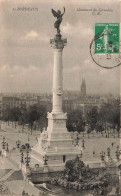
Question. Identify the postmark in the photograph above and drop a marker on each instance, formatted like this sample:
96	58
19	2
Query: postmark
105	46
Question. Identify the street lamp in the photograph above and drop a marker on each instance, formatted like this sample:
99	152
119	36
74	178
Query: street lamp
117	155
118	152
27	158
102	155
45	159
27	147
77	140
22	157
3	143
83	142
108	152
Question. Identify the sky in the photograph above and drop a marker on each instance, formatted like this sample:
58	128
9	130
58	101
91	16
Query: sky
26	57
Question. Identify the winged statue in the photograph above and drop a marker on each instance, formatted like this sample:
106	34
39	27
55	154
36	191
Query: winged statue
58	15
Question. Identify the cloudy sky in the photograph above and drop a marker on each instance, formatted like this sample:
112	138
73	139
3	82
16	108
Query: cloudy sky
26	57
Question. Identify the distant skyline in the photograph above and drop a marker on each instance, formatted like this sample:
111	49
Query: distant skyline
64	92
26	57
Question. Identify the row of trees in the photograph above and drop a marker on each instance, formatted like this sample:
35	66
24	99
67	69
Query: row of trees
96	118
37	115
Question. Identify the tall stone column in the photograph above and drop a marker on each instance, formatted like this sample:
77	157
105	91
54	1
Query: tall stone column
58	44
56	141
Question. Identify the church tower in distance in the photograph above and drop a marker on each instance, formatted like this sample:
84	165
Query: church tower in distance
83	89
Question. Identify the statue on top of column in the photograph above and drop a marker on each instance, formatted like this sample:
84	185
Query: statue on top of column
58	15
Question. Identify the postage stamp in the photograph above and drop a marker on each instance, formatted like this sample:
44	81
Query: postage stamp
105	47
107	38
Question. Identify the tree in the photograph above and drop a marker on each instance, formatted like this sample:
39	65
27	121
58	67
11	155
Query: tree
36	113
75	121
74	168
6	115
32	115
15	114
110	113
42	121
92	118
11	114
99	127
23	119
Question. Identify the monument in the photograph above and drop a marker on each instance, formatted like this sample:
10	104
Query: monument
56	143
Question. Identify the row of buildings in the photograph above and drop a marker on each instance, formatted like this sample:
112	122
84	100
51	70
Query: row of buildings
22	101
71	100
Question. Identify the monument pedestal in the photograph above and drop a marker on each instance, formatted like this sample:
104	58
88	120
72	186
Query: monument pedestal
55	143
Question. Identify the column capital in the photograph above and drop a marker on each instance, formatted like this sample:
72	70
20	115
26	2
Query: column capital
58	42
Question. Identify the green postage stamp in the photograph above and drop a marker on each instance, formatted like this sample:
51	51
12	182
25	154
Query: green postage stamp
107	38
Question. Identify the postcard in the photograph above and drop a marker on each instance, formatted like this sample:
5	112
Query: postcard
60	97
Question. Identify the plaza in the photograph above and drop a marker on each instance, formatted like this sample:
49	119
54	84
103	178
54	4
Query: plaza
10	167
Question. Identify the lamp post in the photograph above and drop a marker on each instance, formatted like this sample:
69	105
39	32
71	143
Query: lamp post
83	143
45	159
22	157
77	140
117	155
27	147
3	143
27	158
108	152
102	156
118	152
